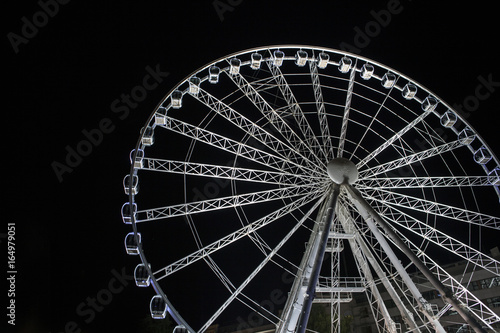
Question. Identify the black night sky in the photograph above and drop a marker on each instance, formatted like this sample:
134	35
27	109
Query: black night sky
70	75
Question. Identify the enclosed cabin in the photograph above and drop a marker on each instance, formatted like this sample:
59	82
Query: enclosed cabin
448	119
466	136
429	104
409	91
161	116
132	243
176	99
194	85
278	57
345	64
213	74
141	276
494	177
301	58
147	136
158	307
180	329
137	158
482	156
256	59
128	212
131	183
234	66
323	59
388	80
367	71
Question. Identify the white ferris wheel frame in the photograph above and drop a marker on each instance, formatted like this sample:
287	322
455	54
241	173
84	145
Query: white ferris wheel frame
293	184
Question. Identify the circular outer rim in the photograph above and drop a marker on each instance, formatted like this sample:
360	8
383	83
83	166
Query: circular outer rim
173	312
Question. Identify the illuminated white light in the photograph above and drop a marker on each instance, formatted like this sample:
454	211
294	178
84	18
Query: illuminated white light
466	136
180	329
128	212
482	155
158	307
194	85
388	80
141	276
367	71
213	74
131	246
234	68
301	58
256	60
323	60
160	116
429	103
494	177
138	158
345	64
278	58
147	136
409	91
448	119
135	184
176	99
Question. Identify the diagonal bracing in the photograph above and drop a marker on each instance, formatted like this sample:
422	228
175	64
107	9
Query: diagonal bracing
245	231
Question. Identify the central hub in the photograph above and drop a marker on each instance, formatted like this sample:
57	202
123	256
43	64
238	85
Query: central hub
342	171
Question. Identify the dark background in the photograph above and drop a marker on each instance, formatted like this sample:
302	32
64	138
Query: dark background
63	80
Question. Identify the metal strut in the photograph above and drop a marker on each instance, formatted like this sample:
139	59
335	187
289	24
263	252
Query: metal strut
325	225
299	303
448	296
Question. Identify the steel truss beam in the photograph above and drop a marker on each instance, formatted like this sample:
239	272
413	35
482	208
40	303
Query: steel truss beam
430	207
245	231
274	118
227	172
347	109
448	296
358	247
252	129
300	299
438	237
320	106
233	146
423	182
394	138
306	130
222	203
407	160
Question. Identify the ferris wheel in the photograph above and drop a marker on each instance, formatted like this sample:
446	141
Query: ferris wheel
278	177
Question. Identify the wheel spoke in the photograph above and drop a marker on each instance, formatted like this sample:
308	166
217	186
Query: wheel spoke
227	172
438	237
245	231
407	160
401	153
347	109
222	203
250	128
373	119
423	182
267	259
483	313
232	146
393	139
320	106
275	119
435	208
309	136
